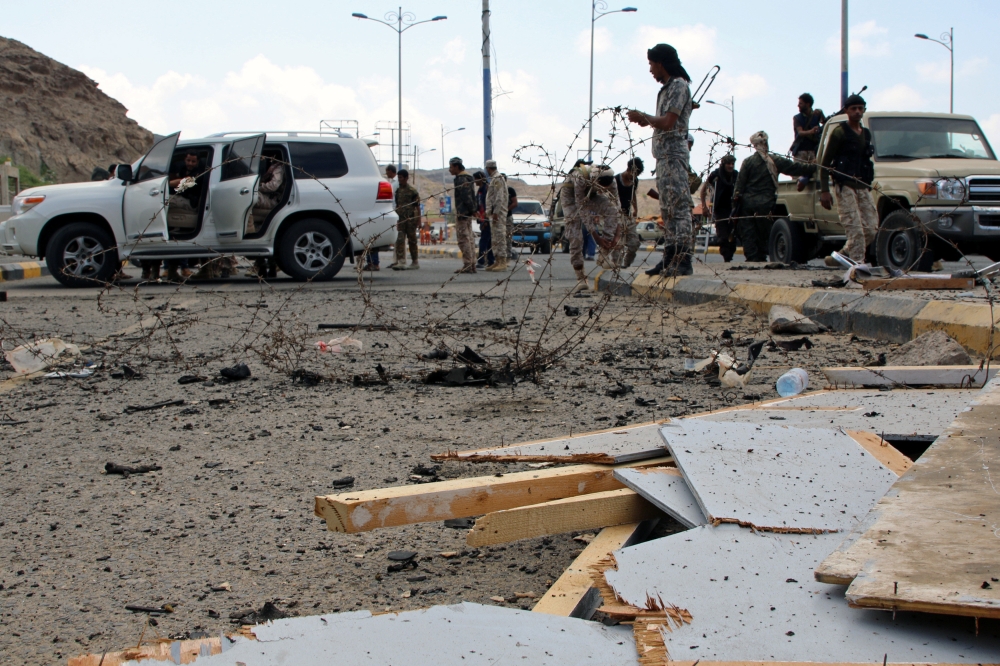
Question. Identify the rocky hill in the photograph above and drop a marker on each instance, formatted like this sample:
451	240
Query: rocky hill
54	120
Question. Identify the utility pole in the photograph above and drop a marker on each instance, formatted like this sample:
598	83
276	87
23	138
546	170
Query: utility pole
843	53
487	87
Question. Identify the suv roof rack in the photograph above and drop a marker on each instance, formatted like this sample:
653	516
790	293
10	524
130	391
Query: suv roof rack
333	133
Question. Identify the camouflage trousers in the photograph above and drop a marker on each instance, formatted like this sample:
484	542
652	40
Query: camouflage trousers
500	237
675	200
860	220
463	230
624	256
573	232
406	231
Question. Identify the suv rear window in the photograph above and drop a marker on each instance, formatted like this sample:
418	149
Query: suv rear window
317	160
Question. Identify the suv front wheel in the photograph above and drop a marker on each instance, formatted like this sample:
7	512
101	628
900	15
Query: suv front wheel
311	249
902	244
787	242
82	254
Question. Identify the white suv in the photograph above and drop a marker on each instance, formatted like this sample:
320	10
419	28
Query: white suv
332	204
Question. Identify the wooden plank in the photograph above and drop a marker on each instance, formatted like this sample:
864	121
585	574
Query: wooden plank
932	546
574	594
529	451
948	376
460	498
888	284
882	451
586	512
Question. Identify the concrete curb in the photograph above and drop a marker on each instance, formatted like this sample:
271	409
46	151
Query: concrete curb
893	318
22	271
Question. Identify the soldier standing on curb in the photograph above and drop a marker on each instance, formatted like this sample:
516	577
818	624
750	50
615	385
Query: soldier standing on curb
408	210
848	157
465	210
573	230
600	212
670	129
496	214
757	192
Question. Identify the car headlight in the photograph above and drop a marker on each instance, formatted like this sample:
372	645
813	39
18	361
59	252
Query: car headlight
950	189
22	204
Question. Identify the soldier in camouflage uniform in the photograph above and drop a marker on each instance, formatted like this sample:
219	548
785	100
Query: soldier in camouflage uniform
572	230
496	215
408	210
599	210
757	192
670	125
465	209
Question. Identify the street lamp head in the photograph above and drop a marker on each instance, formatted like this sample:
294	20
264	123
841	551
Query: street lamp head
630	9
921	36
439	18
358	15
460	129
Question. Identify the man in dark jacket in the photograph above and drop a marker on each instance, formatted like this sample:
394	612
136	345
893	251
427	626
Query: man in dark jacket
485	257
757	192
723	184
465	209
848	158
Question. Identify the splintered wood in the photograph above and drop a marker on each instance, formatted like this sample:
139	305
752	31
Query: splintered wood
574	594
933	543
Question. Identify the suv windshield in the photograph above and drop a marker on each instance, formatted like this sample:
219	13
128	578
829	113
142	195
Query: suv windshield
923	138
527	208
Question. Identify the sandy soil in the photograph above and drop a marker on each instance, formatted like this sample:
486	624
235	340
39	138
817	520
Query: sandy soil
231	508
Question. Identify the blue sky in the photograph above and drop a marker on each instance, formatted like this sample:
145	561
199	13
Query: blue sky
263	65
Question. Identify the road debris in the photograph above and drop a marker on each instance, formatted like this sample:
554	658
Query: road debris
126	470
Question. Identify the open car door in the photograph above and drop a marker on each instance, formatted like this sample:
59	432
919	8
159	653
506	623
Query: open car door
234	195
144	207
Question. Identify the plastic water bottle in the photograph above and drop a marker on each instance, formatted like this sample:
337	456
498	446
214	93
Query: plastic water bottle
792	382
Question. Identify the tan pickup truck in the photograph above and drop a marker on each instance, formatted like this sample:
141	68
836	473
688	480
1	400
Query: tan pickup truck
937	192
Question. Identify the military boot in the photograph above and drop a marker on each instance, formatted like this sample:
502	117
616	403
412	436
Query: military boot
499	266
581	281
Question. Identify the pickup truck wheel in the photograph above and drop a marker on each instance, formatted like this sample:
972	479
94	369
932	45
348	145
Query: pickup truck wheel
311	249
787	242
82	254
565	246
545	247
902	244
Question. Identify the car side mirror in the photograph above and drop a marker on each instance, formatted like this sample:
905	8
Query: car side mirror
124	172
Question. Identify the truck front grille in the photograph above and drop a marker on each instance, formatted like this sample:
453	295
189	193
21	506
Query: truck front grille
989	220
983	189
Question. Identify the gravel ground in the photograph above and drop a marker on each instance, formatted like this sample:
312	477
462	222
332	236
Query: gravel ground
231	508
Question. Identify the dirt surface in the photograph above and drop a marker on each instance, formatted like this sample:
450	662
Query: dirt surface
231	508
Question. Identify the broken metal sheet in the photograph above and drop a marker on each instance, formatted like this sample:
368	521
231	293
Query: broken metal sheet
899	414
464	633
777	478
609	447
666	491
752	598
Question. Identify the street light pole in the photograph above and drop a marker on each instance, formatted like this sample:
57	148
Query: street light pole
443	135
416	156
948	41
404	21
732	111
595	7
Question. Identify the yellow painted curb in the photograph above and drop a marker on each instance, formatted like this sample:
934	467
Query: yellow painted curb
760	297
968	323
655	287
32	269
